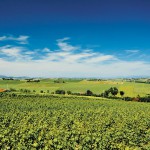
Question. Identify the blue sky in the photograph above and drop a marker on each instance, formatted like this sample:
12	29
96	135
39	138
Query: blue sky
75	38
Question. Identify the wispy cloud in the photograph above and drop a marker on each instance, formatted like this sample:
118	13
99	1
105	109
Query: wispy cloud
2	38
75	54
132	51
47	50
101	58
68	60
10	51
22	39
15	53
63	45
65	53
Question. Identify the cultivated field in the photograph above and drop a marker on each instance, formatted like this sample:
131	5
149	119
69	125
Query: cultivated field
130	88
73	123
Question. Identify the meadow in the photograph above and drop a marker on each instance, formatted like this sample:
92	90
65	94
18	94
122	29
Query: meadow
131	89
73	123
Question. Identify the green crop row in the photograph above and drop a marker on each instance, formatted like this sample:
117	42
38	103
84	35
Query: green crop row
71	123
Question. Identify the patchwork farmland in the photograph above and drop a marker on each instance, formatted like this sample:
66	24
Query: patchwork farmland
32	116
131	89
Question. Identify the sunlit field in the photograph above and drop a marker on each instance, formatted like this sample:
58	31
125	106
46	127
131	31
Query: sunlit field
37	122
130	88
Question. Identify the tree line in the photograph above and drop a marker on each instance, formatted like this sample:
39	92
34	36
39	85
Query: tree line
111	93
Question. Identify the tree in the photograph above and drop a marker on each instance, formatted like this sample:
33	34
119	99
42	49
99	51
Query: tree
113	91
59	92
68	92
62	92
122	93
105	94
41	91
89	93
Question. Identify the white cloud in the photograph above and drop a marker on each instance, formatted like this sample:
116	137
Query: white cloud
63	39
67	61
63	45
10	51
15	53
73	54
22	39
46	50
29	53
72	58
2	38
101	58
64	69
132	51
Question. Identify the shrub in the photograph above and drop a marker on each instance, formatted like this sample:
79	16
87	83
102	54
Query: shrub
68	92
13	90
127	98
122	93
105	94
41	91
59	92
89	93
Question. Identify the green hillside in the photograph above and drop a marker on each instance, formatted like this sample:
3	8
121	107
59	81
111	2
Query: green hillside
130	88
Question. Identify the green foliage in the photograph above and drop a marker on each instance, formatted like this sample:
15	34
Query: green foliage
59	122
3	94
12	90
25	90
122	93
113	91
68	92
106	93
59	81
89	93
59	92
131	89
41	91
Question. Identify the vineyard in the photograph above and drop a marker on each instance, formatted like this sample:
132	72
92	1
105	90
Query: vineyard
73	123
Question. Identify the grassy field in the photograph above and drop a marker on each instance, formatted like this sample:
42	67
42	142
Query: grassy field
73	123
130	88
